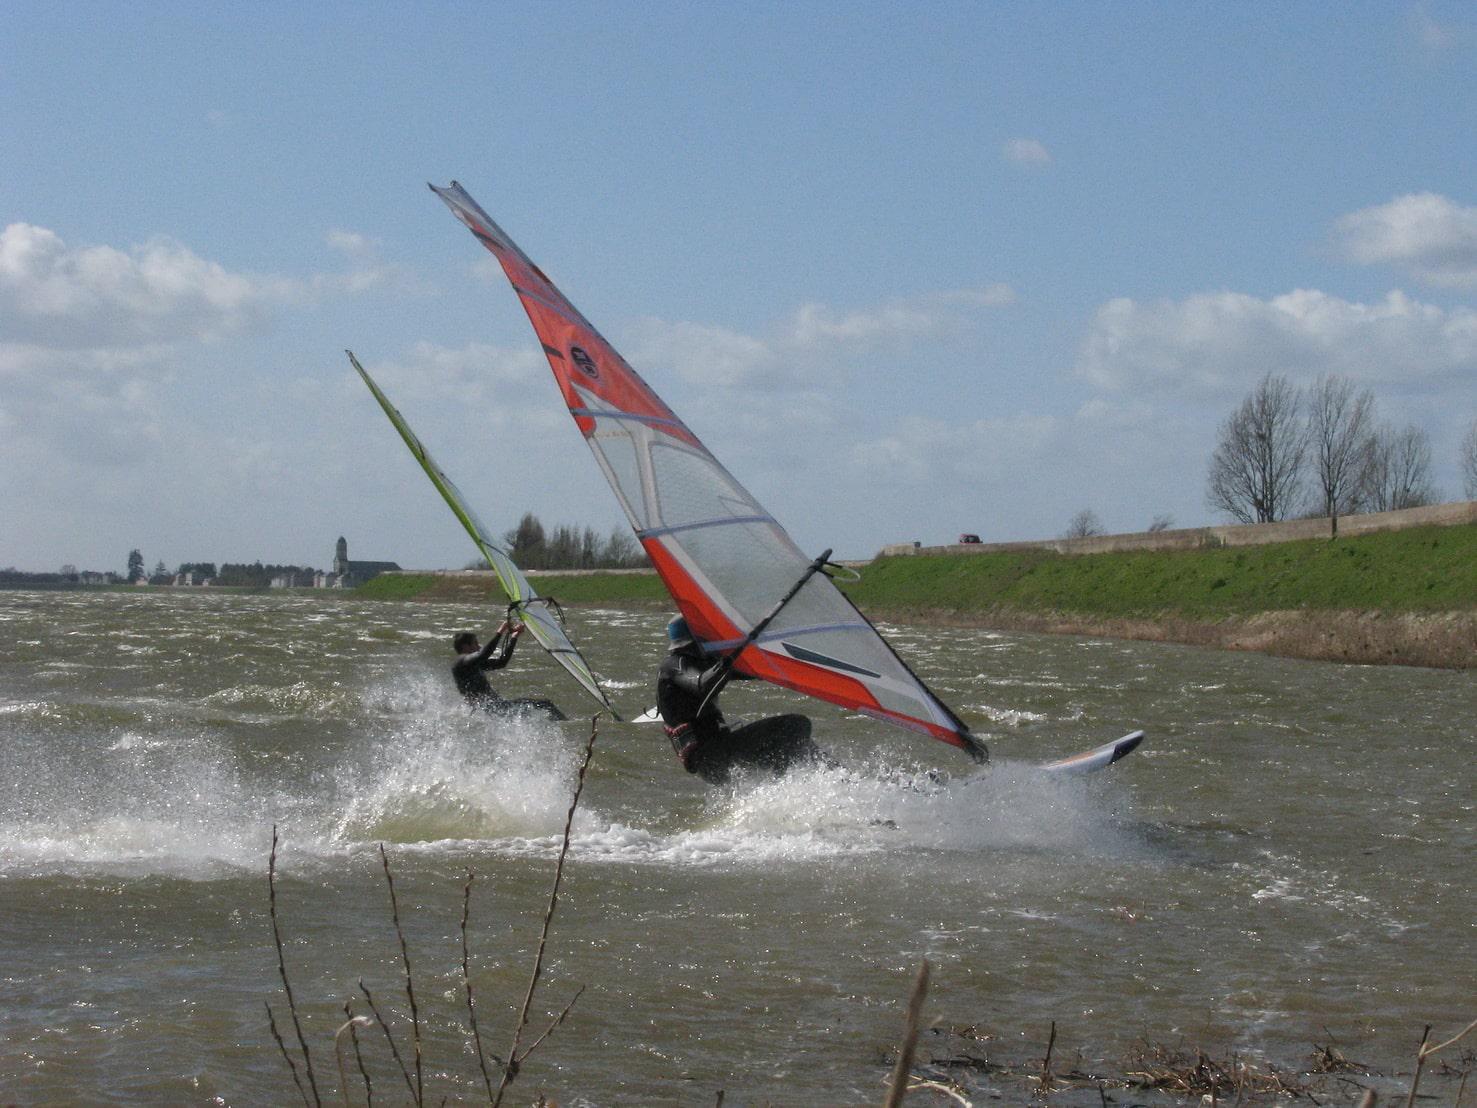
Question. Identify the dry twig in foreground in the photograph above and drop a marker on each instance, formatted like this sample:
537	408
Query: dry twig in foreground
415	1015
1427	1050
286	985
516	1060
898	1082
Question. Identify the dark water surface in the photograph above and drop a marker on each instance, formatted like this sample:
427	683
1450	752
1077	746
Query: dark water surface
1289	859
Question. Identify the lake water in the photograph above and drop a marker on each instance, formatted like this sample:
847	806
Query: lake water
1287	861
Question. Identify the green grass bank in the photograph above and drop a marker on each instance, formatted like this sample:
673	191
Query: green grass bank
1403	597
1429	569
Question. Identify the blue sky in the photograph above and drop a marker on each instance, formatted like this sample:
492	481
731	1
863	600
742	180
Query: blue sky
909	270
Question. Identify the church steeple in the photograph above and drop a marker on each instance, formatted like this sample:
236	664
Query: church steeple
341	555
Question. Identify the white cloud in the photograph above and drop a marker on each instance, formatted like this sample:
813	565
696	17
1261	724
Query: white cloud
1439	37
927	448
94	407
367	269
351	243
1424	234
89	296
1027	151
501	380
710	356
718	357
1220	342
907	318
93	338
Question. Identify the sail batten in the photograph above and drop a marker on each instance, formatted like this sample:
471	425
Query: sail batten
725	560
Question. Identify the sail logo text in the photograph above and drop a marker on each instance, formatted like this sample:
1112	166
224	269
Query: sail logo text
584	361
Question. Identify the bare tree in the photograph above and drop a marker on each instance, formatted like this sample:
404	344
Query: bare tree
1083	525
1162	522
1399	471
1256	470
1341	438
1469	462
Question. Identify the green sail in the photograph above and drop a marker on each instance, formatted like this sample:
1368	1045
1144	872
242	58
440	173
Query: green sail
533	609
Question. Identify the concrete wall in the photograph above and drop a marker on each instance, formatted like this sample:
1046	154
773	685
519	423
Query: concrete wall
1195	538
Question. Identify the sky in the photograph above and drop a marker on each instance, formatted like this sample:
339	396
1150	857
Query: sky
908	270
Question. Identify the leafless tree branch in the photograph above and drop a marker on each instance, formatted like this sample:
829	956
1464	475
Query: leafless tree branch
1256	469
1341	439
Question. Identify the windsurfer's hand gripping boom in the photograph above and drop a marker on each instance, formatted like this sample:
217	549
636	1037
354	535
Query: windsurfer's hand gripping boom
724	670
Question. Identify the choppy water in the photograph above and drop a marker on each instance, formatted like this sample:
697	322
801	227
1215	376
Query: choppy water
1289	860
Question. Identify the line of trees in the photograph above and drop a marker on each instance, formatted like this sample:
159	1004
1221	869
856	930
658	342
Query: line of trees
257	576
1320	452
570	547
252	575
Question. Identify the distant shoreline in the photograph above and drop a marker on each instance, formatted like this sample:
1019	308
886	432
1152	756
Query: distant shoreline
1394	598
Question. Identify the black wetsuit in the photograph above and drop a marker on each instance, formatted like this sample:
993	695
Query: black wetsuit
705	744
470	672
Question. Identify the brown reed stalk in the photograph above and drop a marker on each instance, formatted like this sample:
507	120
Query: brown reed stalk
338	1052
899	1079
1047	1081
385	1027
282	970
1420	1063
286	1057
415	1016
1427	1050
359	1055
510	1068
557	1021
467	980
1368	1099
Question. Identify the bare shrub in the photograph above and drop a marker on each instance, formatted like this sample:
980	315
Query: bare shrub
1083	525
1341	441
1256	469
1399	471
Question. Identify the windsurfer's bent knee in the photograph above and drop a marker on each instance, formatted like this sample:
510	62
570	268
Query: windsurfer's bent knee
687	688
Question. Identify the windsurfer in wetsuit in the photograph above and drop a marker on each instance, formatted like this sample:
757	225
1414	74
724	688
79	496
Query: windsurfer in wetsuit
471	666
689	681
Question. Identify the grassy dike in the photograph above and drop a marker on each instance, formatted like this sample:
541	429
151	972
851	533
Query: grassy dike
1401	597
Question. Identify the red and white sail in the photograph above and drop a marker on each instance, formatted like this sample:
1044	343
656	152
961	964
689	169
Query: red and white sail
724	559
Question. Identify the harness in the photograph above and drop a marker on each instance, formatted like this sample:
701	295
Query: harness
684	744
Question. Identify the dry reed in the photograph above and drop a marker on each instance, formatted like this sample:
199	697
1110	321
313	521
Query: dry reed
286	984
415	1085
338	1051
1426	1050
415	1015
898	1082
359	1054
515	1060
467	981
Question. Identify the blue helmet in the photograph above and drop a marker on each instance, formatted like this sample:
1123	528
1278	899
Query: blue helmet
678	633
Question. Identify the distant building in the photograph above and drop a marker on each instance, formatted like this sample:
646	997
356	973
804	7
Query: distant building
347	574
